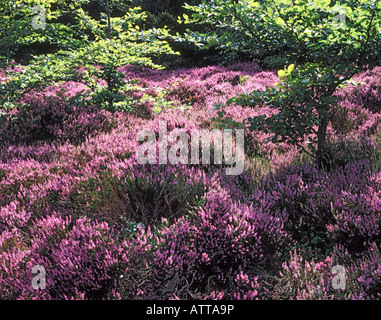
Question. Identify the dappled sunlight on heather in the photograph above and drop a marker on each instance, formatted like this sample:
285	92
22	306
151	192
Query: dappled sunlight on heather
74	199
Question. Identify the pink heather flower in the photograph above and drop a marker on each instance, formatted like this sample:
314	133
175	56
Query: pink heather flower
205	257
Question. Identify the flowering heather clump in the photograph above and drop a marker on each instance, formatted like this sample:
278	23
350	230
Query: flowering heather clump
304	280
74	199
357	215
79	258
200	87
352	147
52	118
367	93
203	252
359	104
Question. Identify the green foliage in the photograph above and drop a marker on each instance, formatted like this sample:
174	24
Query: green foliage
282	32
25	23
15	23
96	51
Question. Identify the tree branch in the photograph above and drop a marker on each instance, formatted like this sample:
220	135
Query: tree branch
252	32
305	150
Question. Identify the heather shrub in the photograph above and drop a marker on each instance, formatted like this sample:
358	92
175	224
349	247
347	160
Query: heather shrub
143	194
254	147
189	92
245	67
359	103
138	101
357	216
206	72
322	208
365	92
13	254
97	197
344	150
231	77
79	257
302	279
363	272
344	119
156	192
245	287
205	251
301	192
367	271
349	118
22	179
52	118
196	87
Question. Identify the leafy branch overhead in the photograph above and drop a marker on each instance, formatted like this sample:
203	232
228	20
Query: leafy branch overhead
100	47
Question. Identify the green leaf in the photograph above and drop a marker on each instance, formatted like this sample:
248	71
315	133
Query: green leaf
280	21
281	73
290	68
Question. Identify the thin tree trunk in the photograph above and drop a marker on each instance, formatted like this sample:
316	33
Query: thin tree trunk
108	19
109	80
110	88
322	152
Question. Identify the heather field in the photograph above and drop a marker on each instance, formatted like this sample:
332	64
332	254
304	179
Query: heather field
105	227
199	150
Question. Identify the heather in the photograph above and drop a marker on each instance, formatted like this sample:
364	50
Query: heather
74	199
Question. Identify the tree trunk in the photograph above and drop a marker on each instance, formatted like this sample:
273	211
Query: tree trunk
110	89
322	151
108	20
